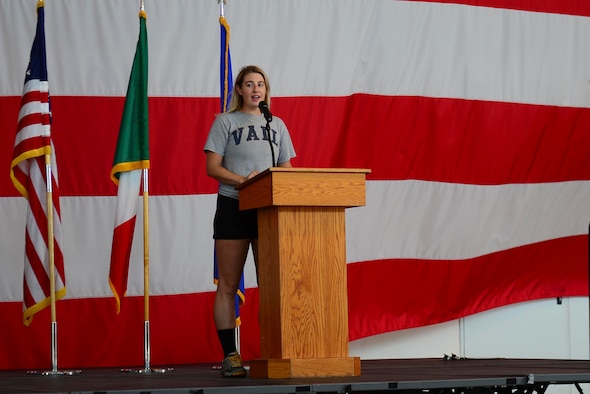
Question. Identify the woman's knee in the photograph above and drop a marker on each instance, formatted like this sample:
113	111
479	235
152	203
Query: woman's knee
227	289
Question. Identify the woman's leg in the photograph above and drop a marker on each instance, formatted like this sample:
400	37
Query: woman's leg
231	256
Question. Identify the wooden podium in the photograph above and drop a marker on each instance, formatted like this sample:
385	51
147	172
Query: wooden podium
302	269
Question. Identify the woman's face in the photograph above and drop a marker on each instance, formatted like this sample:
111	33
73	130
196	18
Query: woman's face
253	90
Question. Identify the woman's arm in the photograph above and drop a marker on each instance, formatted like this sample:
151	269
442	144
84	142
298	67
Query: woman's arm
217	171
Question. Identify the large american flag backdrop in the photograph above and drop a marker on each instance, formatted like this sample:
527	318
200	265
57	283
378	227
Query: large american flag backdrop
472	116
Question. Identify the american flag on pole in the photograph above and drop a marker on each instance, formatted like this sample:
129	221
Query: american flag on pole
29	174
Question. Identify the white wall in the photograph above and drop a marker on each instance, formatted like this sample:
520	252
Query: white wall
541	329
536	329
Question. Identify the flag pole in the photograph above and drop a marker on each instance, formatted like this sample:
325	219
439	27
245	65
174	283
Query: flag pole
51	252
50	221
146	270
222	15
146	260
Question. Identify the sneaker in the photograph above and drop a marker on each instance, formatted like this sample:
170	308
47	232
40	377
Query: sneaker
232	366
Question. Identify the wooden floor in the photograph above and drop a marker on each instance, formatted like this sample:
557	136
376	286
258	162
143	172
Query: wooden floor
400	375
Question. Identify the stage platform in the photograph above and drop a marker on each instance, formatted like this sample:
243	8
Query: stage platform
442	376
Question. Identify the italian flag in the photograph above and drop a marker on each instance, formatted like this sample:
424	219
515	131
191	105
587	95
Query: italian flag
131	157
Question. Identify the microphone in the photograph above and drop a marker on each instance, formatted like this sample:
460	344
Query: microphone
265	111
268	116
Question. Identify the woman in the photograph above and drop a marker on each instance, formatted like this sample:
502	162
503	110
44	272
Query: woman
237	149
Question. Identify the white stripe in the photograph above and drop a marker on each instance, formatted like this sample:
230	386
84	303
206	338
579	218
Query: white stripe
32	85
38	183
57	226
32	107
37	239
401	219
327	48
36	85
13	210
32	284
432	220
31	131
127	196
53	158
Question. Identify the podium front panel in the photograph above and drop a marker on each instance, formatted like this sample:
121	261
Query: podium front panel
302	277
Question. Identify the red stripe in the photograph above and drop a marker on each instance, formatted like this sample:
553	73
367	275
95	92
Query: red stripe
395	294
576	7
39	236
28	299
37	263
92	335
379	296
38	267
33	119
36	202
120	253
448	140
35	95
57	252
29	144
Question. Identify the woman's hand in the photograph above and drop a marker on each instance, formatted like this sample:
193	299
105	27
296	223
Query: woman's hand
217	171
251	175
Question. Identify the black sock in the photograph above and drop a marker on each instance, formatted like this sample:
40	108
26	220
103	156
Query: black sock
227	338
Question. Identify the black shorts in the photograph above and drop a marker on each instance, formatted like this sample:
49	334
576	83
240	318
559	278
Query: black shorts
231	223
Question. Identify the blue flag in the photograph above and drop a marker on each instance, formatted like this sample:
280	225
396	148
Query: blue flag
225	75
225	88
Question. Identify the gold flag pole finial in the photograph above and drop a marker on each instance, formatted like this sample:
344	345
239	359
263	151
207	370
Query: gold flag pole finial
142	13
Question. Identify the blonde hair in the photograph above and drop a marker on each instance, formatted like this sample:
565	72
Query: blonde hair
237	101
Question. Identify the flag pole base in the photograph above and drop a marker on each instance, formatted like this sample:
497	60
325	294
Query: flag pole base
54	370
51	373
147	370
146	353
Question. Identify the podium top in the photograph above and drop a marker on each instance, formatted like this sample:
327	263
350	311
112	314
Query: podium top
300	186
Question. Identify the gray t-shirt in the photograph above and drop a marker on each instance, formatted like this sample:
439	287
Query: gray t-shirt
241	139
